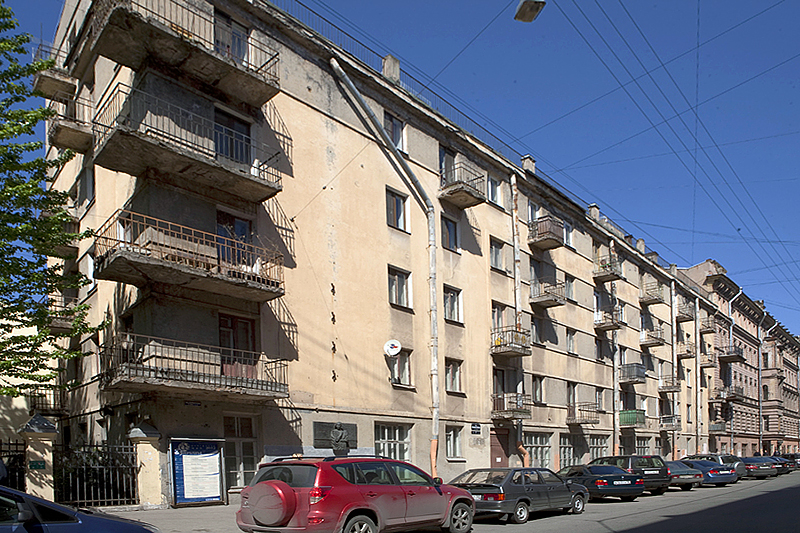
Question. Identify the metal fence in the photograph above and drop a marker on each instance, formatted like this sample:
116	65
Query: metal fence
97	476
462	173
13	455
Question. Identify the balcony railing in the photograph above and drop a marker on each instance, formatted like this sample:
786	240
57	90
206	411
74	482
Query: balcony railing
731	354
55	80
652	337
717	427
729	394
58	305
607	268
158	248
47	401
685	312
141	363
708	325
135	130
685	350
71	125
652	293
669	384
511	406
202	43
583	413
670	422
608	318
462	186
511	341
632	373
548	293
546	233
632	418
708	360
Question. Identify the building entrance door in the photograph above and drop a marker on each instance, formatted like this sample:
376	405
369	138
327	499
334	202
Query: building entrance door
499	447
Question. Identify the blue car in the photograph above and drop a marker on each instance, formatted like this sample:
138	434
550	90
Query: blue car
21	512
713	473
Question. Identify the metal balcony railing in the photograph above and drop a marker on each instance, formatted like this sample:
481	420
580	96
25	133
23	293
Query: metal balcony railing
583	413
685	311
669	384
708	325
670	422
213	32
632	418
632	373
548	292
47	401
181	245
708	360
652	337
730	393
184	131
652	293
546	232
128	358
607	268
685	350
71	123
718	427
511	341
463	174
511	405
46	52
607	318
731	354
58	306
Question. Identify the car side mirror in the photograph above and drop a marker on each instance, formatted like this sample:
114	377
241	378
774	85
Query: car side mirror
569	481
437	481
24	513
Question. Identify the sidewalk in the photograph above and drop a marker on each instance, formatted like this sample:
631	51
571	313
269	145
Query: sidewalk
216	518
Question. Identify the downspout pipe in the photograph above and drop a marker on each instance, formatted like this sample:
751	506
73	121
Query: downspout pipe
673	326
697	377
517	274
430	212
730	346
760	381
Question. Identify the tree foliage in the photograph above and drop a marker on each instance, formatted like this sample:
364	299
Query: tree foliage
33	222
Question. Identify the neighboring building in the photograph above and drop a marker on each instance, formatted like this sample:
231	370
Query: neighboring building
259	242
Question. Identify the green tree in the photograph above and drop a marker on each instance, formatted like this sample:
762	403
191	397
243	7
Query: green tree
33	219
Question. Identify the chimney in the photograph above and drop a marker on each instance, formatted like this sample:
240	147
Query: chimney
594	211
391	68
529	163
640	245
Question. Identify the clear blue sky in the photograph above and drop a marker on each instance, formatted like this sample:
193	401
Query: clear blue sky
718	184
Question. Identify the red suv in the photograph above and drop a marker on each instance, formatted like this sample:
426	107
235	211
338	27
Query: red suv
350	495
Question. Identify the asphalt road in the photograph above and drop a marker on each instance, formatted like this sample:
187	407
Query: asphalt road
749	506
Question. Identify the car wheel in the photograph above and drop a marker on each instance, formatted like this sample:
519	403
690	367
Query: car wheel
659	491
688	486
578	504
460	519
720	484
360	524
628	498
521	513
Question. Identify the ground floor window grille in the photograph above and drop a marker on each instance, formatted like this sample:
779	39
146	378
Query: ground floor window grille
393	441
598	446
538	445
642	445
566	451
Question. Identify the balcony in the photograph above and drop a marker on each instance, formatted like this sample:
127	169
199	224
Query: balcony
731	354
716	428
708	360
511	342
545	233
708	325
462	186
548	293
138	363
69	247
669	384
685	312
607	268
136	249
685	350
511	406
728	394
652	337
583	413
58	306
70	127
136	131
669	423
55	80
632	418
632	373
200	43
47	401
652	293
773	373
608	318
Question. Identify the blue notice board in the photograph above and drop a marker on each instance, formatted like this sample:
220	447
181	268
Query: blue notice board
196	471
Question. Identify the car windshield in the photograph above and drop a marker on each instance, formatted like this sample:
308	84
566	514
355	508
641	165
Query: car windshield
293	475
706	464
677	465
491	477
729	459
647	462
606	470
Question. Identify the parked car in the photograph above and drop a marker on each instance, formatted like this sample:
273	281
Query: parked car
760	467
650	467
683	476
713	473
23	512
605	480
350	495
792	462
518	491
723	459
781	464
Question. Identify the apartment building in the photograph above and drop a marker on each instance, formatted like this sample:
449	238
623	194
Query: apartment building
299	250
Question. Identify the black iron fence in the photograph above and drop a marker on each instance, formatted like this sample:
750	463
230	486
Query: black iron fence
13	455
96	476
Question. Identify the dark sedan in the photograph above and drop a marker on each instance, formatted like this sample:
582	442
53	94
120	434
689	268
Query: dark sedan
713	473
605	480
683	476
760	467
781	465
518	491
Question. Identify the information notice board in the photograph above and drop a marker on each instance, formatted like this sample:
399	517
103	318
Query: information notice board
196	470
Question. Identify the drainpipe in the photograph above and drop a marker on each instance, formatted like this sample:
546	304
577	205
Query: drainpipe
517	275
760	382
730	345
697	370
430	212
673	325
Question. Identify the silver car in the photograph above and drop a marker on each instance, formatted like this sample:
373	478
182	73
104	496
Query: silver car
724	459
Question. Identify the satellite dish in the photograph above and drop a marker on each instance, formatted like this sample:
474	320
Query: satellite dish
392	348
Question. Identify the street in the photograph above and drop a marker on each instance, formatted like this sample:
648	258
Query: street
764	506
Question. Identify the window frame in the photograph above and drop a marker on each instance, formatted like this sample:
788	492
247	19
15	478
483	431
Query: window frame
452	304
571	333
568	229
395	131
450	236
397	218
452	438
397	442
496	254
494	190
399	293
400	369
452	375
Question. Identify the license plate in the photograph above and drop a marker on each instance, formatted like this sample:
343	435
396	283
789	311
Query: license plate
687	476
651	472
622	483
725	472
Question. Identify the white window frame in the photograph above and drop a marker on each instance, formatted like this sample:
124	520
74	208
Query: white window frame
452	375
494	190
566	450
453	243
452	304
400	367
395	129
571	340
538	446
537	389
399	287
496	254
533	211
569	287
568	234
452	440
393	441
396	218
599	392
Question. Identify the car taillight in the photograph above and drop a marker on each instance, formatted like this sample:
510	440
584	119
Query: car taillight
715	472
639	481
669	471
698	475
750	467
494	497
316	494
630	471
600	482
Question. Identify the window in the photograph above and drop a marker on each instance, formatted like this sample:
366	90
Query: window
538	445
494	190
569	287
452	375
237	341
538	389
398	288
570	341
452	304
241	462
396	210
496	254
571	393
688	413
598	446
447	163
86	186
533	211
536	331
598	398
230	38
235	233
623	352
452	439
394	129
401	368
566	451
598	349
497	315
449	234
393	441
231	138
567	234
642	445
